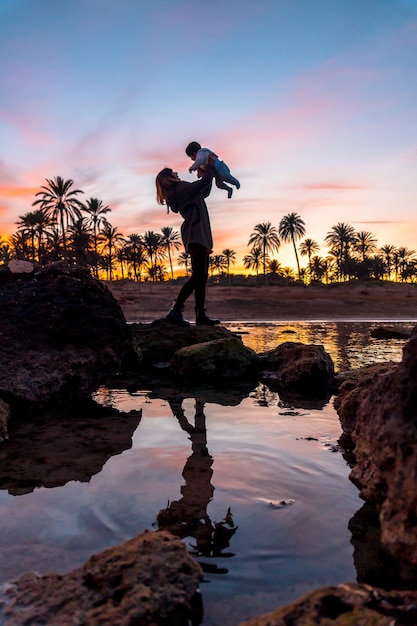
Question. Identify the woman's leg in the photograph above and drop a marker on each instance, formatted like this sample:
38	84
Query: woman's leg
201	263
197	281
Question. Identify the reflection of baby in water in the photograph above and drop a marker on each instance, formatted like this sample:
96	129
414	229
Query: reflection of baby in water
188	516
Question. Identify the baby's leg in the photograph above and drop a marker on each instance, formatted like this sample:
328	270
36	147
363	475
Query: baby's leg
223	170
222	185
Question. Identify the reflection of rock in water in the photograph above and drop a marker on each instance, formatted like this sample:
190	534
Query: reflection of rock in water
372	563
57	448
274	393
188	516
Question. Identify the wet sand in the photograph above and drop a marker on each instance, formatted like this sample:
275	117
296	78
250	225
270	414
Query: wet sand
144	302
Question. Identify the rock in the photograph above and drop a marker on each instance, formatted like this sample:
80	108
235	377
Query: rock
160	339
150	580
21	267
4	420
350	391
62	332
378	411
388	332
307	368
343	605
218	359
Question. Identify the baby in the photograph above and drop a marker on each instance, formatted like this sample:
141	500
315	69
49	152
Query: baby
201	156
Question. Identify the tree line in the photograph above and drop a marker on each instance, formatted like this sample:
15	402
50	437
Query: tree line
64	228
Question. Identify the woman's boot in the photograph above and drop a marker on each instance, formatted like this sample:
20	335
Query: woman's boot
175	315
201	319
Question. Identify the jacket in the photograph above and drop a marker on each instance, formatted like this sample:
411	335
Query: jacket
187	199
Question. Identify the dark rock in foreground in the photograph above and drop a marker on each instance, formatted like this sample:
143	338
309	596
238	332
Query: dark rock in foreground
378	413
345	605
62	333
150	580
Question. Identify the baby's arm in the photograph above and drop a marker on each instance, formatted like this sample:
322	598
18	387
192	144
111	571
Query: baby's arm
200	160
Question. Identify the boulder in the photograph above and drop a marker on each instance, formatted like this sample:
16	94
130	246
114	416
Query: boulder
378	412
62	333
358	605
21	267
4	420
148	580
389	332
218	359
297	366
160	339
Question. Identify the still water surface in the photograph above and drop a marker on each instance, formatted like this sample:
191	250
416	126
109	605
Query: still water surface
257	489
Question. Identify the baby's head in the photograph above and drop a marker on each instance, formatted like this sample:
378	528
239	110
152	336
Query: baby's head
192	149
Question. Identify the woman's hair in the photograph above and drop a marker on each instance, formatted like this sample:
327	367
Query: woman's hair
165	181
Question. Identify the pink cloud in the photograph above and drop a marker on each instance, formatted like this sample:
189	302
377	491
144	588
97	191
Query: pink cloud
8	191
324	186
377	222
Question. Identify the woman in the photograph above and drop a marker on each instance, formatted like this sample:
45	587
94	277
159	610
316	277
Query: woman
187	199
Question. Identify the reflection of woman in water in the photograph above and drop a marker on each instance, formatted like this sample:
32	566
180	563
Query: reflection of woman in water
188	516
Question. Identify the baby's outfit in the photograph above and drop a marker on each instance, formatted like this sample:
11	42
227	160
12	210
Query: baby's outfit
221	170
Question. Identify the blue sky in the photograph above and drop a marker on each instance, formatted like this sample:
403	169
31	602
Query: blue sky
312	103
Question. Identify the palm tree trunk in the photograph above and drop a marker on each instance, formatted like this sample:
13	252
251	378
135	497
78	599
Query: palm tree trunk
170	262
296	257
64	241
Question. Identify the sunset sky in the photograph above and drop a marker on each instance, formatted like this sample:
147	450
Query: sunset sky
312	104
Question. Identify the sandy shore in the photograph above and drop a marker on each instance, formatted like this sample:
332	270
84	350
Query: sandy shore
144	302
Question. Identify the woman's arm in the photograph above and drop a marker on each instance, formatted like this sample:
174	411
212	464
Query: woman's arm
201	186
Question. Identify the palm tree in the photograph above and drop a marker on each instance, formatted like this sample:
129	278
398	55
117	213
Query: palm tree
218	262
253	259
43	222
96	219
265	236
155	249
33	224
184	259
121	257
388	251
59	202
53	244
405	258
79	242
230	256
288	273
171	240
340	239
111	238
28	224
307	248
274	267
291	228
318	268
5	252
365	243
19	242
135	253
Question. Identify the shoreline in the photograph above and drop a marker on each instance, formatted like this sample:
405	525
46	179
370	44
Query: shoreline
351	302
